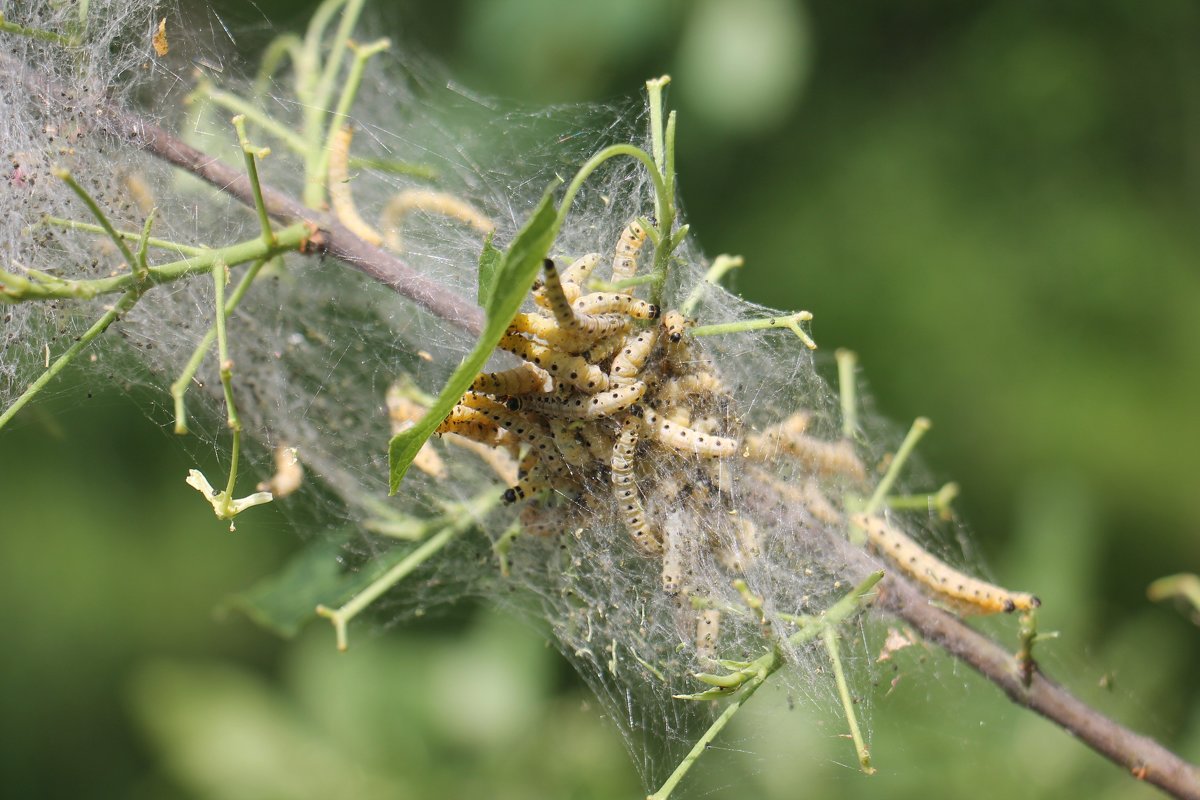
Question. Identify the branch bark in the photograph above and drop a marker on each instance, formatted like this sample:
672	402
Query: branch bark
1144	758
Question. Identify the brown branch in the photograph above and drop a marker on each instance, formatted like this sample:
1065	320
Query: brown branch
1144	758
335	239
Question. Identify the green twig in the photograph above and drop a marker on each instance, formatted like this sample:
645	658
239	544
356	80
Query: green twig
919	427
67	178
127	301
747	677
16	289
362	54
251	154
456	523
847	391
143	266
720	265
181	384
161	244
791	322
34	33
830	638
593	163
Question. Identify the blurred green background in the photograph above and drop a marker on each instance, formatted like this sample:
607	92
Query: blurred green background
995	204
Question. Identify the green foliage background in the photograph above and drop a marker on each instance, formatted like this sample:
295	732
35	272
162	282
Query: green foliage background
995	204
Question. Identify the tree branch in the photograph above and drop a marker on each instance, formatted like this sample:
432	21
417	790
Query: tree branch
1144	758
334	238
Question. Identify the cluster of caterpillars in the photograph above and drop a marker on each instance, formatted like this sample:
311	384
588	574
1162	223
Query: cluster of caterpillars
615	409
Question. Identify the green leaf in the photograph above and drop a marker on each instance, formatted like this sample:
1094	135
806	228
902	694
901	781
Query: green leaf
509	286
286	601
489	266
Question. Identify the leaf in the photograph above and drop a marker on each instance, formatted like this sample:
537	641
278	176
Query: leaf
489	265
286	601
510	284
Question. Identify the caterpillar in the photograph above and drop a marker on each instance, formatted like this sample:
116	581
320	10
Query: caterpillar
708	627
569	447
586	406
628	363
526	486
601	303
687	440
573	369
674	324
971	595
525	379
577	339
625	491
573	279
625	262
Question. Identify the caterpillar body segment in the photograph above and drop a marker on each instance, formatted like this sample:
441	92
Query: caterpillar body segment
556	299
604	349
682	388
608	303
674	325
526	486
525	379
586	406
708	629
627	364
581	337
473	424
629	246
526	464
971	595
563	366
581	269
573	451
687	440
625	492
597	439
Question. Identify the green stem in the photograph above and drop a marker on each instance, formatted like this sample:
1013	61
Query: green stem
162	244
362	54
593	163
458	522
127	301
721	265
745	693
830	638
251	154
919	427
791	322
847	390
289	238
253	114
295	142
33	33
143	266
753	674
288	45
316	132
180	386
67	178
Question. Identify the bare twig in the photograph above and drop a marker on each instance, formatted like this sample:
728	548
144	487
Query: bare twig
1144	758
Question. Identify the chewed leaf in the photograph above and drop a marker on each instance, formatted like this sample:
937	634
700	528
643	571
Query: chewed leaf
510	282
489	266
